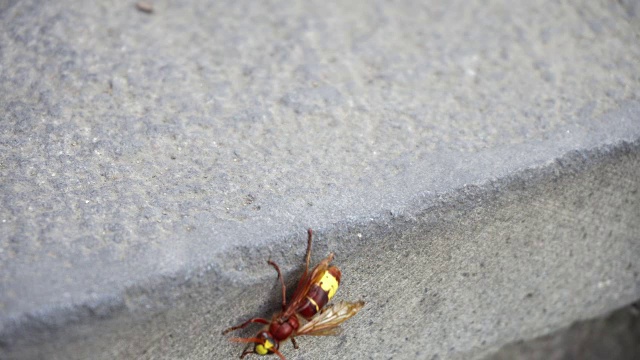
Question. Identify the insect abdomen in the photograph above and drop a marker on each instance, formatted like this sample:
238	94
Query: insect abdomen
320	293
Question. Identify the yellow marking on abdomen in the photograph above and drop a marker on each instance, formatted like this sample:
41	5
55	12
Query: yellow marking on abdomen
314	303
329	284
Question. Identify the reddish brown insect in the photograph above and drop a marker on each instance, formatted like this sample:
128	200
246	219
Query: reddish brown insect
304	314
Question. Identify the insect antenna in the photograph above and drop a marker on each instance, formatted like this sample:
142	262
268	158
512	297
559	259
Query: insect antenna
255	340
246	340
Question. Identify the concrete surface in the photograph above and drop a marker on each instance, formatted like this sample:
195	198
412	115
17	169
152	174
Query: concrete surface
474	165
615	336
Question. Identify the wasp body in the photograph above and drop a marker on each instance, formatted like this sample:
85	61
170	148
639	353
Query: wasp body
305	313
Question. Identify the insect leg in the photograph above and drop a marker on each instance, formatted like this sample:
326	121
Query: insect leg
308	255
245	324
275	351
294	342
303	278
246	352
284	288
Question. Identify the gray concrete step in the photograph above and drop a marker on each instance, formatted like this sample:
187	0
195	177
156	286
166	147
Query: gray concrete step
473	165
615	336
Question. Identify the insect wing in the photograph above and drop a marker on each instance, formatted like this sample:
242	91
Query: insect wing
335	331
327	321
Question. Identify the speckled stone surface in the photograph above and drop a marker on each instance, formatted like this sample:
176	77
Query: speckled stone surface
474	165
615	336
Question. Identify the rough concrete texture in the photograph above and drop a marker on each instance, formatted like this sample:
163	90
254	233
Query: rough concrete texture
615	336
473	164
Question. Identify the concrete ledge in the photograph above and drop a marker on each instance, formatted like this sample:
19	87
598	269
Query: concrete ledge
474	167
613	336
486	265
